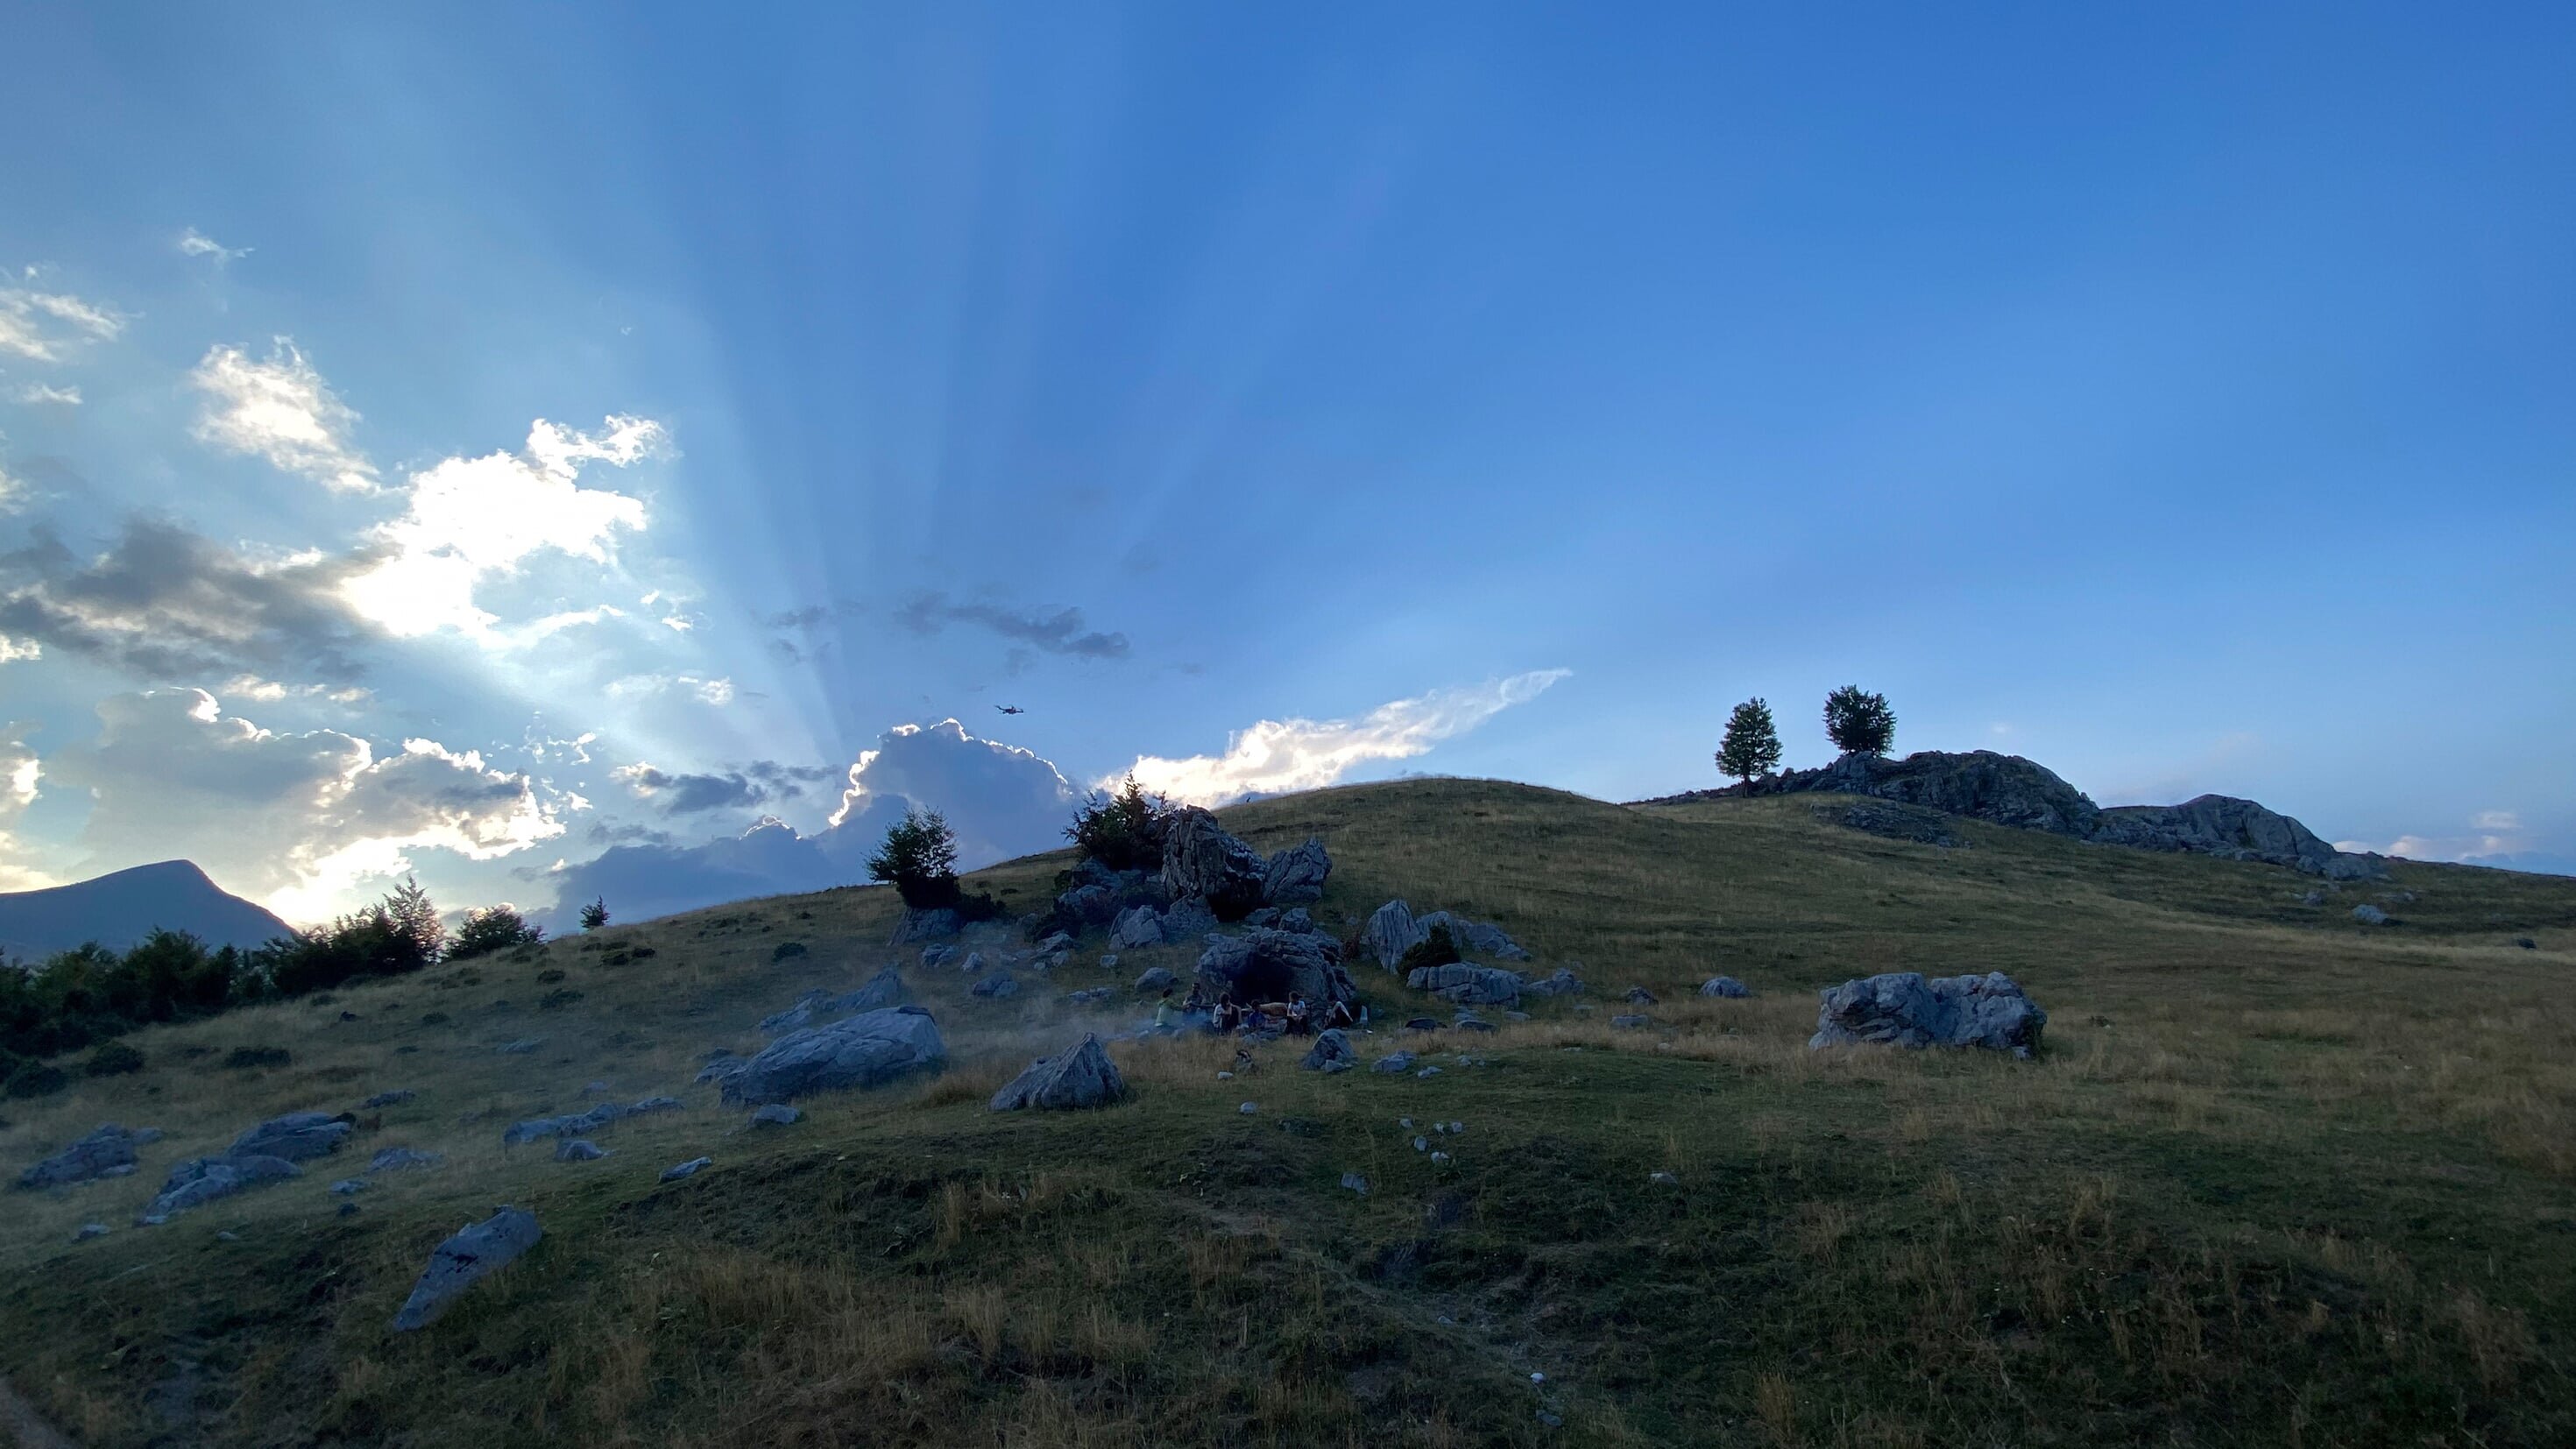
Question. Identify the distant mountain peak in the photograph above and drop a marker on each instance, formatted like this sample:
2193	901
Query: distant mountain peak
122	907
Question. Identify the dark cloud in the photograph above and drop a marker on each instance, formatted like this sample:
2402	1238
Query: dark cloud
757	783
1061	632
166	603
604	833
640	882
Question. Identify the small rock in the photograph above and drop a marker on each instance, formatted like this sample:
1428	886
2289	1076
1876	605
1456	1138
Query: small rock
1331	1053
994	988
297	1136
1094	996
349	1186
465	1259
651	1105
1666	1178
1639	996
1428	1072
88	1231
579	1149
2526	943
1404	1122
1351	1180
1631	1022
686	1169
2370	915
348	1210
1553	1421
403	1159
1421	1144
1081	1078
1422	1023
1438	1158
387	1099
1725	986
1468	1021
1156	981
1455	1128
1225	1076
1248	1108
1393	1062
776	1114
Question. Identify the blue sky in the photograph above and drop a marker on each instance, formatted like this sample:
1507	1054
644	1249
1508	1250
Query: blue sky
466	442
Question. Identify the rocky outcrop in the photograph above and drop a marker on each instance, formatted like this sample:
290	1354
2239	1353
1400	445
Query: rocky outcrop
1725	986
918	924
1560	982
1903	1008
473	1254
297	1136
1201	859
866	1050
1393	929
1136	928
201	1180
1330	1053
1186	920
1467	984
1267	965
2219	825
1296	875
1083	1077
106	1152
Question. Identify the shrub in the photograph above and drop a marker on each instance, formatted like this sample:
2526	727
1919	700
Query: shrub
115	1059
919	858
1859	723
37	1079
1436	949
785	949
243	1059
398	934
1123	831
595	915
497	928
557	999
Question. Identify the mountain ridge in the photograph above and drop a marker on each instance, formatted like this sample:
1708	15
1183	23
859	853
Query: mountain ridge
122	907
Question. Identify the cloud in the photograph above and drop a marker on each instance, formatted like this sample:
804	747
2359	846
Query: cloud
38	326
14	650
19	773
194	243
2497	820
1002	801
471	520
642	881
1276	756
11	491
46	395
1059	633
2500	841
302	819
166	603
754	784
283	411
718	691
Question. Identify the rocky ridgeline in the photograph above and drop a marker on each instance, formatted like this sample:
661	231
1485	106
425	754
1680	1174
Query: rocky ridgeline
2010	790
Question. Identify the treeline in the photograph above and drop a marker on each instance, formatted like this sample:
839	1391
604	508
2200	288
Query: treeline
87	997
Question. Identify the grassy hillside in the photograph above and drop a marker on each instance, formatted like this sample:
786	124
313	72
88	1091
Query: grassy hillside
2277	1179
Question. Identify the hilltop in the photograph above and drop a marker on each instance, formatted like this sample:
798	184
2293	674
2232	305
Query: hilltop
2276	1177
120	908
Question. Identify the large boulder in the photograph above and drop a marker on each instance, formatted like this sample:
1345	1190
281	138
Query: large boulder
107	1152
1187	919
1264	965
464	1260
1390	933
1082	1077
201	1180
1085	907
919	924
1482	937
876	993
1135	928
1331	1052
866	1050
1560	982
1467	983
1156	980
297	1136
1295	876
1725	986
1200	858
1906	1009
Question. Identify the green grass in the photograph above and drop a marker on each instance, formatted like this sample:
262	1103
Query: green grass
2277	1179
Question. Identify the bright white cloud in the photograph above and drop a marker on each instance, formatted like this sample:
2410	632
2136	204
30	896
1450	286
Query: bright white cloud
13	491
1001	800
718	691
13	650
2498	820
46	395
194	243
19	772
474	519
283	411
39	326
1276	756
304	820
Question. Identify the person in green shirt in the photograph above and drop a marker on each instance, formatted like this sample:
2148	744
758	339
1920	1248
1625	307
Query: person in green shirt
1167	1013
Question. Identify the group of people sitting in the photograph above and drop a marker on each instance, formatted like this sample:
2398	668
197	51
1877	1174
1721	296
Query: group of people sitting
1227	1016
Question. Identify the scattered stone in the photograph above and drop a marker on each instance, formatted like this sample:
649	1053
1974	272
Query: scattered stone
1639	996
1351	1180
1421	1144
924	925
1156	981
1516	1016
1422	1023
1428	1072
1905	1009
2313	898
1552	1421
686	1169
994	988
382	1100
1109	961
579	1149
1248	1108
1393	1062
934	957
465	1259
403	1159
777	1114
1094	996
722	1070
349	1186
1482	937
521	1047
1631	1021
1295	877
1202	860
1390	933
1081	1078
1331	1053
1225	1076
1136	928
866	1050
651	1105
1725	986
1465	982
1897	822
1666	1178
348	1209
1266	916
2370	915
1560	982
1469	1021
974	964
109	1150
87	1231
201	1180
879	991
2526	943
1440	1159
297	1136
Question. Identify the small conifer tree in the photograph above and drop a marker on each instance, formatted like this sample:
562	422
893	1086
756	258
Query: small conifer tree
1751	746
595	915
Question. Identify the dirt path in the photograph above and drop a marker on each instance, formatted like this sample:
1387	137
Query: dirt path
25	1427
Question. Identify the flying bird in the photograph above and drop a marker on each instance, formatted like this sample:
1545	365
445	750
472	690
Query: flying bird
1010	709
